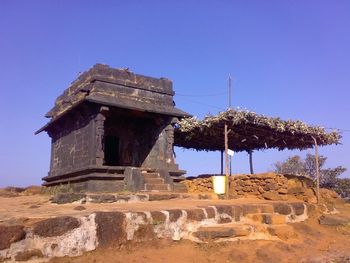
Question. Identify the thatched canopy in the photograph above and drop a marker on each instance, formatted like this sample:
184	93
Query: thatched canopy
249	131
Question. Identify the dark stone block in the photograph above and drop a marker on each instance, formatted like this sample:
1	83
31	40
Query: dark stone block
144	232
158	217
210	212
298	208
282	208
67	198
55	226
79	208
224	220
102	198
160	197
195	214
10	234
174	214
225	209
96	186
122	198
27	255
111	228
237	212
214	233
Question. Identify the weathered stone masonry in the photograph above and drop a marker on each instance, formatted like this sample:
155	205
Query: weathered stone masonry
269	186
71	236
111	127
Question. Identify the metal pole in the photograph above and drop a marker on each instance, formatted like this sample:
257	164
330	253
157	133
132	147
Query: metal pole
251	161
229	91
317	171
226	161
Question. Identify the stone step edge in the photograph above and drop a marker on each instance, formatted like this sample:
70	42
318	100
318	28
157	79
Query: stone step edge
54	236
159	187
143	196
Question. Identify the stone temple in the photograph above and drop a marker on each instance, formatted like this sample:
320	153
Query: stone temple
113	130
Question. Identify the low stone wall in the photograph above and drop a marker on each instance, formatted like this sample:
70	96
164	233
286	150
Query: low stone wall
74	235
269	186
202	184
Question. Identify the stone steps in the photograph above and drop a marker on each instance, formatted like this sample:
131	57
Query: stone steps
156	187
153	182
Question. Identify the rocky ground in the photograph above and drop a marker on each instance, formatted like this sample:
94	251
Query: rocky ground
314	243
321	238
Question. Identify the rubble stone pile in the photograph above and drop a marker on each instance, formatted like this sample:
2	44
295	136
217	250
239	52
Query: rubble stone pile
269	186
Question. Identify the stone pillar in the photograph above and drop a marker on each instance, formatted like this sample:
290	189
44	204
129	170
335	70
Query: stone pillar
169	156
99	134
169	131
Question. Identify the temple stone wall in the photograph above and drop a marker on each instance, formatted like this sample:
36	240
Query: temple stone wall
71	146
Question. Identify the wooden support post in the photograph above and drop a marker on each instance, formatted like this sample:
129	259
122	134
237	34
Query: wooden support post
226	161
222	162
317	171
251	161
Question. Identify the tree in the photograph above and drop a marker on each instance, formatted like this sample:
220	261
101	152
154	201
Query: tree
307	167
293	165
343	187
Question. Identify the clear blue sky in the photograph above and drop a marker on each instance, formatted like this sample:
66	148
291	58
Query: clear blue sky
288	58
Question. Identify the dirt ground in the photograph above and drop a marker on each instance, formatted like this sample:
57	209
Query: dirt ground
33	207
315	242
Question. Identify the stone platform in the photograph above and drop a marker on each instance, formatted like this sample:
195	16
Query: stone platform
87	228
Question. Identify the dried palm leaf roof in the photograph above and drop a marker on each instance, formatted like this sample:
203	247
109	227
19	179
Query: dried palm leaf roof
249	131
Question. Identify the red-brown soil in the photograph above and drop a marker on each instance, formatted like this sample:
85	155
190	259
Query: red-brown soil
314	242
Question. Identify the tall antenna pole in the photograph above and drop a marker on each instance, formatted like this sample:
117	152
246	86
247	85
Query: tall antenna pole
227	186
227	160
229	91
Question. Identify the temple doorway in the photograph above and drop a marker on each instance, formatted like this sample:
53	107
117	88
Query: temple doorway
111	150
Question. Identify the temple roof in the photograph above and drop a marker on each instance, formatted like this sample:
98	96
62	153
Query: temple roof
119	88
249	131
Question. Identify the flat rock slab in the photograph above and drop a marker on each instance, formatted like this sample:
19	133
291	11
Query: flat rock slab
10	234
334	220
110	228
28	254
55	226
67	198
160	197
282	208
105	198
207	233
